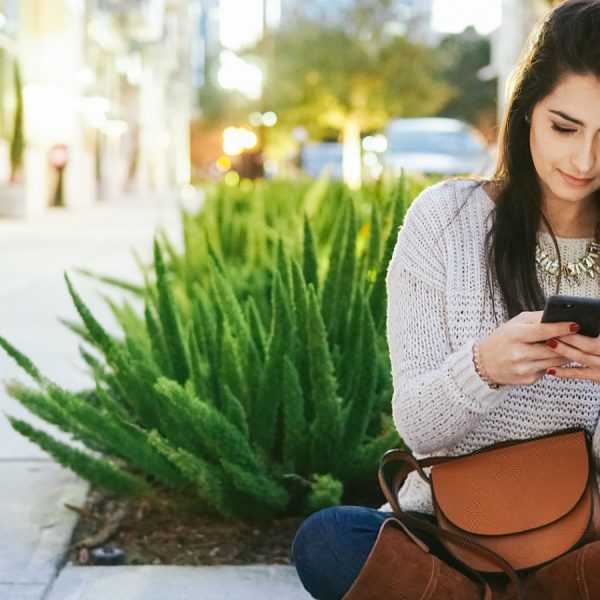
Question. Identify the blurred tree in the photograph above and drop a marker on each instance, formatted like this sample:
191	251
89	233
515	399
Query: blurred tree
367	19
337	80
460	58
17	143
329	80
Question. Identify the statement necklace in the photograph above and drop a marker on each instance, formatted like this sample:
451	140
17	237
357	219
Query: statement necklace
571	273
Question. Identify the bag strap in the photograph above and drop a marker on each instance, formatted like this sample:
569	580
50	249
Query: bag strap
407	464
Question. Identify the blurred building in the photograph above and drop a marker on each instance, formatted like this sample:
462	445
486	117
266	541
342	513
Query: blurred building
235	24
10	193
519	18
106	96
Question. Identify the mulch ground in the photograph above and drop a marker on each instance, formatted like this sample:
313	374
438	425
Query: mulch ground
160	535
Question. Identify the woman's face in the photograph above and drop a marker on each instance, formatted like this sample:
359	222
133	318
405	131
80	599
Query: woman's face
565	139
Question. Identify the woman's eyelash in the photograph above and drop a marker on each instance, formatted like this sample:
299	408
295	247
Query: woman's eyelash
562	130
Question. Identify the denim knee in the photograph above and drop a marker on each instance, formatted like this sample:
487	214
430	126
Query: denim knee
331	547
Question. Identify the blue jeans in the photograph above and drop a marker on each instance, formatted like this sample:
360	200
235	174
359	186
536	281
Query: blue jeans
332	545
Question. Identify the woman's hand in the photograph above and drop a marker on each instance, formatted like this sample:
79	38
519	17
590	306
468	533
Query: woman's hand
577	348
516	353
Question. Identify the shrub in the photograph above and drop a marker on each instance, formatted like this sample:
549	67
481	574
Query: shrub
257	381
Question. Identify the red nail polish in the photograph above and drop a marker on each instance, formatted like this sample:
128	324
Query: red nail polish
551	372
574	327
551	343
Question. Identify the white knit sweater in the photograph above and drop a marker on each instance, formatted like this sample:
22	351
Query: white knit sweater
437	308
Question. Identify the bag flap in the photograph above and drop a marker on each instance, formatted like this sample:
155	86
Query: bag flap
513	487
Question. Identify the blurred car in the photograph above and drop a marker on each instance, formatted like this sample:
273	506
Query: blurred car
317	156
434	146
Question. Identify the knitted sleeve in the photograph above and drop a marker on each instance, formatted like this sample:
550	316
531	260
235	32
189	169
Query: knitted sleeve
596	445
438	395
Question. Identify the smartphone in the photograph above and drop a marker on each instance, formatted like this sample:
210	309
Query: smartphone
584	311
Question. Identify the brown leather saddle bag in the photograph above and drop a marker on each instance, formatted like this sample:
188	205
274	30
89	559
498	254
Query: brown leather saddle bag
509	507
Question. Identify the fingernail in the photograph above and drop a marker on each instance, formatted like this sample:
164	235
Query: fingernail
551	372
574	327
551	343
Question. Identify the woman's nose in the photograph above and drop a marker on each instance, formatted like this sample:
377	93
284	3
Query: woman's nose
584	158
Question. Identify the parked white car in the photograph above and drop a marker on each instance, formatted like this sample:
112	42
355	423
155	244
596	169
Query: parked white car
434	146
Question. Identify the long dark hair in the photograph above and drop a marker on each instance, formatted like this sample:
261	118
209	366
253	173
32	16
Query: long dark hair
567	41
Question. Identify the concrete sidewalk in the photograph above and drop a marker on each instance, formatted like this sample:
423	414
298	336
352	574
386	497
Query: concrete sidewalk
178	583
35	526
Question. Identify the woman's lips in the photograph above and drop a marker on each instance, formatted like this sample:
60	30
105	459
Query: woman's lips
575	181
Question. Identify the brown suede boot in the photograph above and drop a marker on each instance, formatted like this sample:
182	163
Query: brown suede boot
399	568
574	576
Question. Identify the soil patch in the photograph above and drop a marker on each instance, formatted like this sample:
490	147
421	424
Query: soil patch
160	535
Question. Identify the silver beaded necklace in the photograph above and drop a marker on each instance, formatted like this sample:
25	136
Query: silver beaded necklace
573	272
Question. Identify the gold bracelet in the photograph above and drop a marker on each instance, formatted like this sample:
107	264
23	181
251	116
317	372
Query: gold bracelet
479	370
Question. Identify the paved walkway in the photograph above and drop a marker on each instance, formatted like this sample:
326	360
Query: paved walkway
35	527
178	583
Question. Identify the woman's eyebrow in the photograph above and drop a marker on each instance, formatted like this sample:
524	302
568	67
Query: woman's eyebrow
567	117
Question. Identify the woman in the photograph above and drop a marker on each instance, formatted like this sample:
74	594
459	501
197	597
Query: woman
472	365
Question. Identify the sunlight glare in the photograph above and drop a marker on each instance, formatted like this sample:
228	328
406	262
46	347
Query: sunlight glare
453	16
